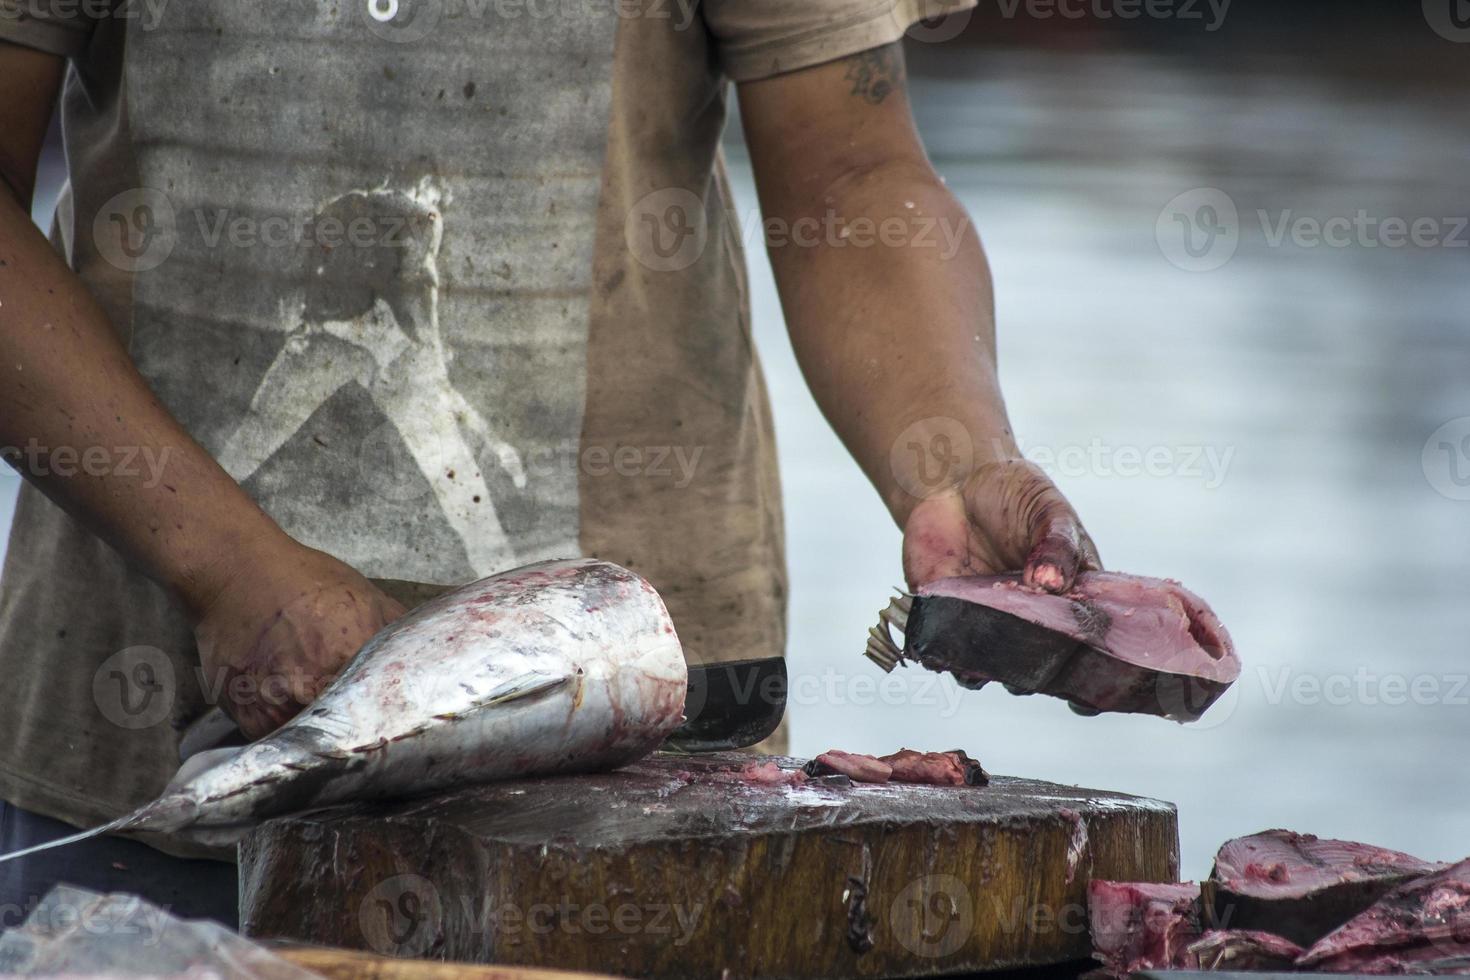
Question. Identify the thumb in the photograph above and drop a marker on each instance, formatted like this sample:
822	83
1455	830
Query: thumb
936	541
1059	547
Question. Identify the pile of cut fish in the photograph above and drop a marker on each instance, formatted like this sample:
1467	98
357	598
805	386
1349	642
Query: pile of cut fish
1282	901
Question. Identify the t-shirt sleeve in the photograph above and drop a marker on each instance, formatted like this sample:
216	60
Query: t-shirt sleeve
760	38
61	27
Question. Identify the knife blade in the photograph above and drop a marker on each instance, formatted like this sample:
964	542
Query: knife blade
731	705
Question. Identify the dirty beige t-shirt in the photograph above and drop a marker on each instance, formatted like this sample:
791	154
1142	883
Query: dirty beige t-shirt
447	286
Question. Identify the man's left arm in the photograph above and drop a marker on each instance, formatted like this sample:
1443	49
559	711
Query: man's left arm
887	297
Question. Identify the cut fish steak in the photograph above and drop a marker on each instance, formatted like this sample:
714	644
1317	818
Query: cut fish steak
1422	926
1116	642
1300	886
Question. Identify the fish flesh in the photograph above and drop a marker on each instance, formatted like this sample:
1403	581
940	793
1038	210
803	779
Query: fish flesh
1422	926
952	768
1116	642
558	667
1141	926
1383	912
1242	950
753	774
1300	886
854	765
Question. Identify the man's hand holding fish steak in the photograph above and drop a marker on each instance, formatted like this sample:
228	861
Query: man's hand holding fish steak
899	343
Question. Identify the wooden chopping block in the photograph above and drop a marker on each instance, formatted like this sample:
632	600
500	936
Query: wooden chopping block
343	964
678	866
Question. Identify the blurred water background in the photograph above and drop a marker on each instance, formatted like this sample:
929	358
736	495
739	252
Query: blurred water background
1293	397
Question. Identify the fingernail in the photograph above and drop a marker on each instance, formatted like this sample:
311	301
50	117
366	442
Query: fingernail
1047	576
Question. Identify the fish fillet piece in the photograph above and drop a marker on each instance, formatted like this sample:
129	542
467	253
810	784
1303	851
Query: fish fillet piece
1300	886
1140	926
855	766
758	774
952	768
1116	642
1421	926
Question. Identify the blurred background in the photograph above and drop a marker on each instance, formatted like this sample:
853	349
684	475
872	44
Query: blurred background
1279	418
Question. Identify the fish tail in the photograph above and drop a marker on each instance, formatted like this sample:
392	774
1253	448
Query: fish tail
167	814
106	828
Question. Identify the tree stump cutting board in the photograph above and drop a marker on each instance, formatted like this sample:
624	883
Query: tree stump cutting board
679	866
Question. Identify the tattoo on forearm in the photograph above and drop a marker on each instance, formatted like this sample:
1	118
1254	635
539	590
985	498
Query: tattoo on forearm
875	74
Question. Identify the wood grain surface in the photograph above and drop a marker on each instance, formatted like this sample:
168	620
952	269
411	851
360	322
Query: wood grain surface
678	866
344	964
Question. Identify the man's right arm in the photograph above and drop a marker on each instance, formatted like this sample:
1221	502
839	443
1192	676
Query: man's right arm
70	387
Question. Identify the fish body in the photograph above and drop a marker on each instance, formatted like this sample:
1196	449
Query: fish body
563	666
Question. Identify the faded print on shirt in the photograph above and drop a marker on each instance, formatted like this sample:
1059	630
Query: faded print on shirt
373	307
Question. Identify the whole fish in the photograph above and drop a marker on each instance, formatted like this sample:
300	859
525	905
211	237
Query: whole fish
563	666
